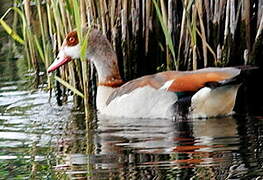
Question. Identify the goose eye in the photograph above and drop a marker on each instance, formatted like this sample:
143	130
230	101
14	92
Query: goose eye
71	39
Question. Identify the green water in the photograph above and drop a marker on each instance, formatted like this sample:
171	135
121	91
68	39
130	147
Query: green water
40	140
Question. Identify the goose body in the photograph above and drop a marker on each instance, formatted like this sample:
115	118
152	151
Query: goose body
207	92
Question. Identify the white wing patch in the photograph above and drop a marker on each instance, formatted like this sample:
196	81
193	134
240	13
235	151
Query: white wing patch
167	85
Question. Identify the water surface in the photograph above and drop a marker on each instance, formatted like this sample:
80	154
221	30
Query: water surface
40	140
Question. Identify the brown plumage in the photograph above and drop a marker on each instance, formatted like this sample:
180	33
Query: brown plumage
72	39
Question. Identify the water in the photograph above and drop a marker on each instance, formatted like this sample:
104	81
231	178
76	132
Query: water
40	140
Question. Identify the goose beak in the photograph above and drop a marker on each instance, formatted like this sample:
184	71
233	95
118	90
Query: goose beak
59	61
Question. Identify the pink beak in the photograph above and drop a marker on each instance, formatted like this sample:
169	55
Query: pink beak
58	62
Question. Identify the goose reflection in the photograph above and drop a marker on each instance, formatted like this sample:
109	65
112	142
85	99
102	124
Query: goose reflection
165	136
199	145
120	147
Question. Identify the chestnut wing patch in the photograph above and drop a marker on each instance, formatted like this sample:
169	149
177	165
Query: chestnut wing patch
194	82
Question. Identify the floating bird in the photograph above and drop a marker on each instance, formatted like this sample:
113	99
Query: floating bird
203	93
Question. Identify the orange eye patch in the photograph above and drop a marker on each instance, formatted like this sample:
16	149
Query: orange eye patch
72	38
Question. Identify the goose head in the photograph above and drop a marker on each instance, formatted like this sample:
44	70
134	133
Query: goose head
99	51
70	49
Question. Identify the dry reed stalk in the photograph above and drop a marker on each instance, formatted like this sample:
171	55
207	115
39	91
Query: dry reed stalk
187	52
15	18
61	6
42	16
193	36
84	63
216	15
170	16
119	9
227	19
112	20
214	27
106	12
222	6
232	17
78	71
29	37
95	12
135	14
165	20
83	12
89	13
69	21
260	28
60	34
199	6
208	17
85	77
102	16
75	80
246	19
182	34
170	27
50	22
124	19
207	46
194	58
72	80
135	39
112	14
58	24
259	12
124	38
148	24
41	23
143	15
164	12
27	12
218	54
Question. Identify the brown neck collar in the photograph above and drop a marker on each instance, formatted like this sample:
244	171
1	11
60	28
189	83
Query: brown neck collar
113	83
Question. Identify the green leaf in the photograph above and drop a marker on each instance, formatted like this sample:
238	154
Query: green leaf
167	34
77	17
68	7
11	32
67	85
39	48
84	45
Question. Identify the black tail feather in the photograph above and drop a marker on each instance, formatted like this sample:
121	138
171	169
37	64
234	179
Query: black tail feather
233	81
245	70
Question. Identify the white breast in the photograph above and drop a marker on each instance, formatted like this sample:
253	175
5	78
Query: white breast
103	93
144	102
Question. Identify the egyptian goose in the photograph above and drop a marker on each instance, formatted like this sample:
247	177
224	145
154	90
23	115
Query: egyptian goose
207	92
